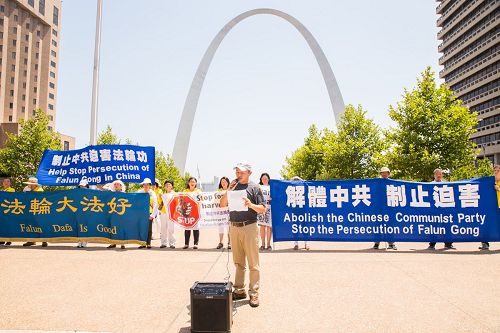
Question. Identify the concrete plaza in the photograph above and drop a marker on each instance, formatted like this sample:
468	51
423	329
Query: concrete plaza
334	287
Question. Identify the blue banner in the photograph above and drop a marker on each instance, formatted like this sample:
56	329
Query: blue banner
73	215
385	210
97	164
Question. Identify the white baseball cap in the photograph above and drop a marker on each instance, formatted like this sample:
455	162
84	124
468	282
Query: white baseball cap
385	169
146	181
243	166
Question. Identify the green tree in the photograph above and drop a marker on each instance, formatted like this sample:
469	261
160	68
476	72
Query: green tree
165	169
481	168
433	130
355	151
307	161
22	153
107	137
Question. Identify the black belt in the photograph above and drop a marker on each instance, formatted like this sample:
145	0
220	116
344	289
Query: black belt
242	224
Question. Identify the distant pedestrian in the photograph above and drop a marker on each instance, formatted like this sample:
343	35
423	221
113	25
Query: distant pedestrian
191	188
223	186
153	208
385	173
33	186
438	177
266	226
167	233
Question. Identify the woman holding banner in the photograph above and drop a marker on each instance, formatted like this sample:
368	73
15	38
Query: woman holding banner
167	235
191	188
223	185
265	218
117	186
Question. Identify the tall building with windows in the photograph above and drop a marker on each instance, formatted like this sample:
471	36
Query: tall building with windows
29	45
470	50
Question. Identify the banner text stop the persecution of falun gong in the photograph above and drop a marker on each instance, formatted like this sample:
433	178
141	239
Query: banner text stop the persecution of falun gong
73	215
385	210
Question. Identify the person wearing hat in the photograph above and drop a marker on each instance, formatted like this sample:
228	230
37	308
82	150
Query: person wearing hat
161	208
153	208
33	186
7	187
385	173
244	232
117	186
83	184
438	177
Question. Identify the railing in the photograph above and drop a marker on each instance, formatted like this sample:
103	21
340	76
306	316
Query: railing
448	10
454	20
489	40
486	93
482	78
462	73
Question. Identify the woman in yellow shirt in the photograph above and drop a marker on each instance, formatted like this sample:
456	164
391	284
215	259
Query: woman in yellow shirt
191	188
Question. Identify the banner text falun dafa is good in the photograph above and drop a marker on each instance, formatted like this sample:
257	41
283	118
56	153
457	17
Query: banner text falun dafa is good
73	215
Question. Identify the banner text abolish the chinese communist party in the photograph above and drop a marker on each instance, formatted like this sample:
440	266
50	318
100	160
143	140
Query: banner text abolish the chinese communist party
385	210
79	214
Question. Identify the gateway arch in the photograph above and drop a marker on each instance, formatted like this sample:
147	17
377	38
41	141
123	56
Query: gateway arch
183	137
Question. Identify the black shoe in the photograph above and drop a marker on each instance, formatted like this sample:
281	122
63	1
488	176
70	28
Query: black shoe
163	246
142	247
392	247
220	246
229	246
112	246
148	246
484	247
29	244
375	247
44	244
237	296
123	247
8	243
2	243
450	247
172	246
195	247
185	247
431	247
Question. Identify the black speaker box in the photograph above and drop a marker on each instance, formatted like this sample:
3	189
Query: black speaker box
211	307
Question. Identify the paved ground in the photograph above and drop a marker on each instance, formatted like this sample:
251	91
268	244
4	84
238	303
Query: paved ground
335	287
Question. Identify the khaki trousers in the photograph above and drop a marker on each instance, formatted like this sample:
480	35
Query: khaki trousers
245	247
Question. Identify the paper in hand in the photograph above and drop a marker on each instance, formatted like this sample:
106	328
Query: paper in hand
235	201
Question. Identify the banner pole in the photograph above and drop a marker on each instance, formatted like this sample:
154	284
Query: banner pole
95	83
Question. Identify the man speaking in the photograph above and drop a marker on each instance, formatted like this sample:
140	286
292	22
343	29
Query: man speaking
245	202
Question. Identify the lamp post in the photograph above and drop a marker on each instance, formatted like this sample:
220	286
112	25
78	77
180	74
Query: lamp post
95	83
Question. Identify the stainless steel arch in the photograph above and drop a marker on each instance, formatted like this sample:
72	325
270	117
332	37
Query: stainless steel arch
186	124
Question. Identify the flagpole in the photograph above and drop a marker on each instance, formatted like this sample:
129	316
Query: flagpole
95	83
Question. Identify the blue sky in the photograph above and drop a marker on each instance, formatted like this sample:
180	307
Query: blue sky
264	87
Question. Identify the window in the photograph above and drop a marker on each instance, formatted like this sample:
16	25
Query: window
52	85
37	55
27	38
54	54
1	21
34	89
11	105
55	16
25	73
12	80
14	30
2	9
51	95
1	34
23	109
54	32
66	145
14	42
34	100
26	49
54	43
31	3
51	107
25	61
35	78
24	97
37	44
13	55
51	118
34	112
41	7
27	25
10	118
36	67
24	84
38	33
53	75
12	92
16	18
13	68
53	64
1	48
